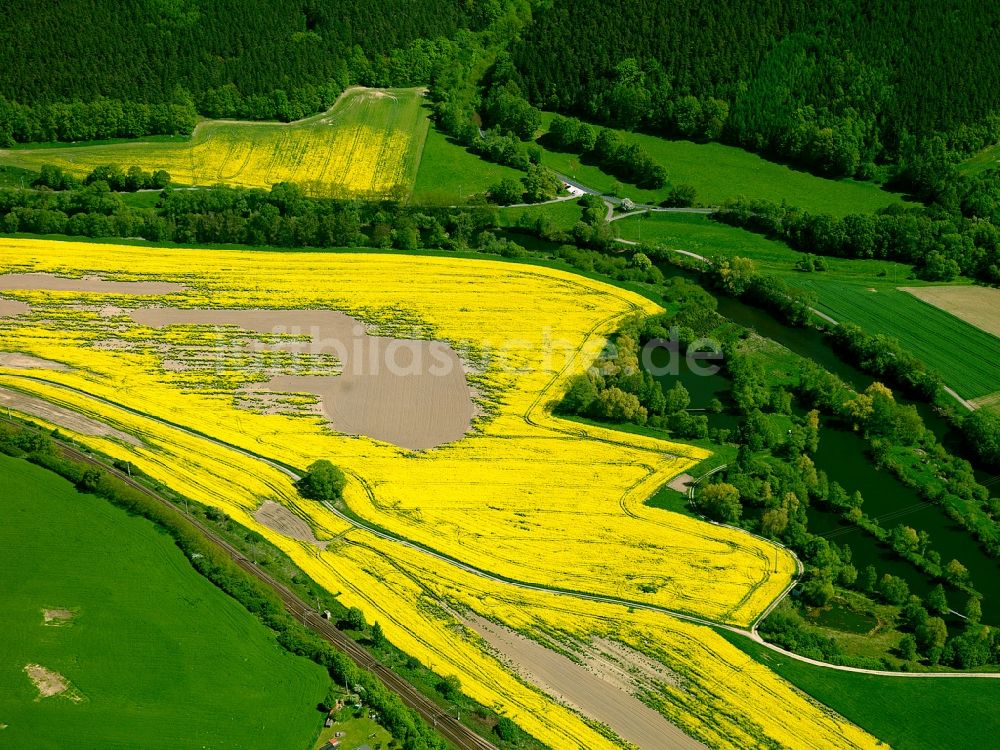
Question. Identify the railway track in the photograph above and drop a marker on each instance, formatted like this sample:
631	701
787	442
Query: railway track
446	725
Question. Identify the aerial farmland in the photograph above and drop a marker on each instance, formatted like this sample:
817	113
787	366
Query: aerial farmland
386	377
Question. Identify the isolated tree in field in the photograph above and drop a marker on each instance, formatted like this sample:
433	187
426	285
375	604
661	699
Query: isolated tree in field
323	482
721	501
378	637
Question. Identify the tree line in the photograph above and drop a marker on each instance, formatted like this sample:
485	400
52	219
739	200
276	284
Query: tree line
116	179
941	246
609	149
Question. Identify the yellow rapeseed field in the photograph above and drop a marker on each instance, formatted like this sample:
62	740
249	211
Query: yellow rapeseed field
368	144
525	495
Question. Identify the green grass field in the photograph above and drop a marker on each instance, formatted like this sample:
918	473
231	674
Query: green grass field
368	145
858	291
967	358
449	174
564	215
158	656
907	713
720	172
986	159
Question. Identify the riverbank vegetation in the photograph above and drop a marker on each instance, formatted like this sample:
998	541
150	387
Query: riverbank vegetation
666	104
773	481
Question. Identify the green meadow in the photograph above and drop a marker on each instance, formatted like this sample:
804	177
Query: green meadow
449	175
907	713
720	172
153	655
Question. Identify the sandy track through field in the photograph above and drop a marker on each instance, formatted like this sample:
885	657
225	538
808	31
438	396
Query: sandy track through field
18	361
282	520
51	283
61	416
10	308
578	687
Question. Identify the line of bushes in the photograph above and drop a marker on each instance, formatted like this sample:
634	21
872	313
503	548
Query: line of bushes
940	245
608	148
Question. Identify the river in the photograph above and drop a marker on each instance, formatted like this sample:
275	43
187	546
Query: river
842	455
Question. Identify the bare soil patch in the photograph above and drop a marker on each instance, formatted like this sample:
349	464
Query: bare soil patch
626	668
681	483
50	683
603	694
52	283
976	305
18	361
61	416
57	617
10	308
408	392
281	519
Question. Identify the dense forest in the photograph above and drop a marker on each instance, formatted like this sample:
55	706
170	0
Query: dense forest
140	50
838	87
138	67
